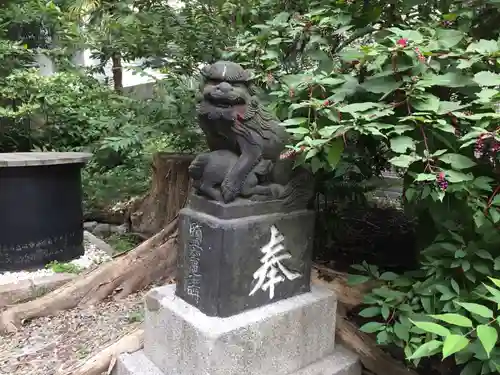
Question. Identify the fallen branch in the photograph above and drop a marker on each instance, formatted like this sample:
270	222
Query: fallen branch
100	362
150	261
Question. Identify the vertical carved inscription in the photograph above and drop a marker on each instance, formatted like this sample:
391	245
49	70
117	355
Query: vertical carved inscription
192	283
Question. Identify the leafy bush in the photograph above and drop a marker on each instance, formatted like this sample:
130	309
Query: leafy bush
423	89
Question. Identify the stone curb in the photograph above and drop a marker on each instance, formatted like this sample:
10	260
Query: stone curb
100	244
23	290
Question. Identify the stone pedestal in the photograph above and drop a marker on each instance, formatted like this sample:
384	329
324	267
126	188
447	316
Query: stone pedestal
243	304
222	246
295	336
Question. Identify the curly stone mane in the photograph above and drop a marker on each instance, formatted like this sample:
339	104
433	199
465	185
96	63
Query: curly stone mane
257	119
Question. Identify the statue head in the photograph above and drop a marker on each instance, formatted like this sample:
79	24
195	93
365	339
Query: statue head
226	90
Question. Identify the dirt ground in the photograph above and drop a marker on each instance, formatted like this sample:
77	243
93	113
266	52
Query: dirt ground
53	345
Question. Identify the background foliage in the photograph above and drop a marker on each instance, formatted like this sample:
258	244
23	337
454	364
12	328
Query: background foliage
362	86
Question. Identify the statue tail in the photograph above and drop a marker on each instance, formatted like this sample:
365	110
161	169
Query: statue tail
197	166
299	191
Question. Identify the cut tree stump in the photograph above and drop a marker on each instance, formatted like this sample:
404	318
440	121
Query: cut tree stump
169	189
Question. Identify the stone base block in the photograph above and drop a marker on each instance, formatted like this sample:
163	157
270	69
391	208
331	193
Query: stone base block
278	339
342	362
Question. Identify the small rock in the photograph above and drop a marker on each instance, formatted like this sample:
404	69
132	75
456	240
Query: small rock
119	229
90	225
100	244
102	230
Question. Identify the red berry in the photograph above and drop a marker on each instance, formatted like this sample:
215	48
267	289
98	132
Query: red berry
403	42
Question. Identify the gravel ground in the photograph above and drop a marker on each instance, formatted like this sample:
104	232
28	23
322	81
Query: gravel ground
93	256
52	345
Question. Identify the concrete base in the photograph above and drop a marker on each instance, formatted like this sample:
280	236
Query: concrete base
342	362
295	336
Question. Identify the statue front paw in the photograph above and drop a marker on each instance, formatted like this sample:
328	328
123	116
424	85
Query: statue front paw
229	191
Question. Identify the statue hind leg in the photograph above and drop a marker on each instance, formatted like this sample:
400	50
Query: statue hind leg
208	189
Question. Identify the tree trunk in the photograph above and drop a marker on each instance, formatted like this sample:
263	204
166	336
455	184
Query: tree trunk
117	68
169	189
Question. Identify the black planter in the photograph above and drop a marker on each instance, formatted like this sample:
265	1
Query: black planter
41	216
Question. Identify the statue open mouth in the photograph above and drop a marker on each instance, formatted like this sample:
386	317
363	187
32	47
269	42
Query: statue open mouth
224	101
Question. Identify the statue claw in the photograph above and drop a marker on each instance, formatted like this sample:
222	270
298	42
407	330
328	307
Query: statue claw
229	192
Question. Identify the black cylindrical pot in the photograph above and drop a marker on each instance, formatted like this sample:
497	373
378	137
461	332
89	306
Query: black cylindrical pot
41	216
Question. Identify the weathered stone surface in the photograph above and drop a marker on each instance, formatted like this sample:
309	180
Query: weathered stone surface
218	257
135	364
97	242
276	339
341	363
22	159
248	155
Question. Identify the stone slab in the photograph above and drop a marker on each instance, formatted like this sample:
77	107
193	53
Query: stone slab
27	159
135	364
236	209
219	258
342	362
277	339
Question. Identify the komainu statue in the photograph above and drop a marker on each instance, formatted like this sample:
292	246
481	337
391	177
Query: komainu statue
247	144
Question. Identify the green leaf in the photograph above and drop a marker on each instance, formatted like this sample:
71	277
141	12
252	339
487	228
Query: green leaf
456	177
381	85
457	161
455	319
385	311
426	350
402	161
370	312
488	337
402	331
483	46
295	121
449	79
382	338
359	107
428	103
432	328
477	309
447	107
425	177
372	327
486	78
483	254
389	276
472	368
453	344
329	81
298	130
401	144
335	150
495	281
357	279
448	38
